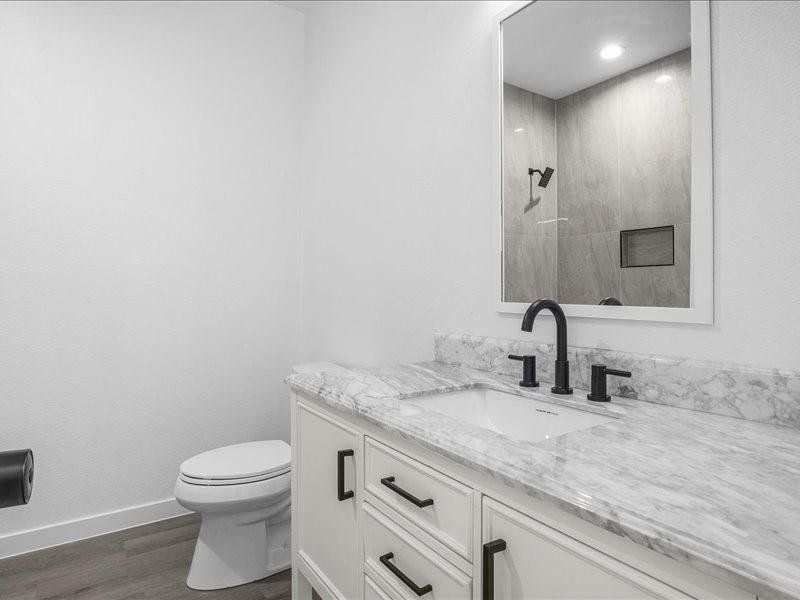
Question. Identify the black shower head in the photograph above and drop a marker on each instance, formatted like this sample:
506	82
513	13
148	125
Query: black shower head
545	177
548	173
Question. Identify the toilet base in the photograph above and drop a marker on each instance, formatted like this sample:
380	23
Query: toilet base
234	549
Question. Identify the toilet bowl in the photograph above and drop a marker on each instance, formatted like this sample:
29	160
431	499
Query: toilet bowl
242	493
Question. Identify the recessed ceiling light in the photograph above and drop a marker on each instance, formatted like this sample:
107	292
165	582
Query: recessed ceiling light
663	78
611	52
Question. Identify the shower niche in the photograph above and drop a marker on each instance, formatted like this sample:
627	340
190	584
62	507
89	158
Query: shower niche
648	247
605	157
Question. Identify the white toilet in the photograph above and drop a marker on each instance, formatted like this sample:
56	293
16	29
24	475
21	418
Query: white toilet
242	493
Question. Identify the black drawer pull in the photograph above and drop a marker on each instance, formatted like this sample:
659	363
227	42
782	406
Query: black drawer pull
389	482
489	550
419	591
343	495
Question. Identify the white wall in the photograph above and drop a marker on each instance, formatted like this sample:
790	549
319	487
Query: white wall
149	263
398	239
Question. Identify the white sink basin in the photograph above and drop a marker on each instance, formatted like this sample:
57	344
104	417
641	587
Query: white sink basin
515	416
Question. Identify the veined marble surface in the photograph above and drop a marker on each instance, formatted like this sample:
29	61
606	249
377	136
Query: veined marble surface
734	391
718	493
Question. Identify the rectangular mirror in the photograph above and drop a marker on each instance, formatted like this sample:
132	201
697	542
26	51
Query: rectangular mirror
605	158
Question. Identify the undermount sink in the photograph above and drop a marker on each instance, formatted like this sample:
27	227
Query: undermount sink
517	417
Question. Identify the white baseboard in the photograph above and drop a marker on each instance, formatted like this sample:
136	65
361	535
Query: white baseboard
87	527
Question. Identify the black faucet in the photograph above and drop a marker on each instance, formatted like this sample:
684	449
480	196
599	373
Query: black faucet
599	384
562	364
528	369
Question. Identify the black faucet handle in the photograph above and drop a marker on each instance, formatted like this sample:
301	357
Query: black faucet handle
528	369
617	372
599	391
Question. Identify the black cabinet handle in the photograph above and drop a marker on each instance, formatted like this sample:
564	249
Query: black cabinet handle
343	495
419	591
489	550
389	482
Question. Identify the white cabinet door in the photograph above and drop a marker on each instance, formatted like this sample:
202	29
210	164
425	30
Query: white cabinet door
326	463
537	561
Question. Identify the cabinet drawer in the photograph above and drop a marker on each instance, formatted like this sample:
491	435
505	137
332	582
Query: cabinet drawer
373	591
405	563
540	562
404	483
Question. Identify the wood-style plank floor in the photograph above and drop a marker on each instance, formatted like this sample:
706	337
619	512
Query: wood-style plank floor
144	563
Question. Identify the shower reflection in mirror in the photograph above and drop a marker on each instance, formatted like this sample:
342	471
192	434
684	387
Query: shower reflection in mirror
596	153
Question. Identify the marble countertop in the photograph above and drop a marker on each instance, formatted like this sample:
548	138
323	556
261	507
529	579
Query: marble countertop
719	493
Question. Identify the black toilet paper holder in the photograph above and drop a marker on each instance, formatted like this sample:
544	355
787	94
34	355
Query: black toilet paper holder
16	477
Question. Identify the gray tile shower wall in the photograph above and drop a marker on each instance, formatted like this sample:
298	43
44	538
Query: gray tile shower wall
530	263
729	390
587	125
655	143
624	153
529	131
588	268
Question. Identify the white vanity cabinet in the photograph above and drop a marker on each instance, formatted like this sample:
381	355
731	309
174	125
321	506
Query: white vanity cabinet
529	560
421	526
326	457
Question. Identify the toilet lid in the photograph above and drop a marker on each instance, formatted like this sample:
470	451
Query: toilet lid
240	461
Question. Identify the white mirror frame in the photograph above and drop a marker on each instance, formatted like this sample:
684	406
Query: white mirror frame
701	277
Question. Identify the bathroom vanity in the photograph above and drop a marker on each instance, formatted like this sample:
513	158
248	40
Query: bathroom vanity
379	519
443	481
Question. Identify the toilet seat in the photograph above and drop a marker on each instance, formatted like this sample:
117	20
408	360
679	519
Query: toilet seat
243	480
238	464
